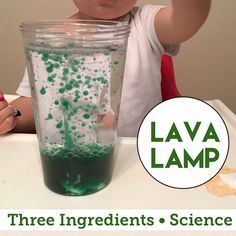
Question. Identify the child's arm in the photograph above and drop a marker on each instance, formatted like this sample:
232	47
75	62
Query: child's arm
181	21
23	123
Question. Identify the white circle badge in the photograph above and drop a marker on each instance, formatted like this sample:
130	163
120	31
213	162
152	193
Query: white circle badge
183	142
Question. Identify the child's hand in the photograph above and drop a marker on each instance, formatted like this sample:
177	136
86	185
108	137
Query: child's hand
8	120
179	22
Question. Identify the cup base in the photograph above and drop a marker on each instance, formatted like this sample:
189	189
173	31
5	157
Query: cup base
77	174
79	191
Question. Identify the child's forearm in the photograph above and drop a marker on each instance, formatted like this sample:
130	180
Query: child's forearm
182	20
25	122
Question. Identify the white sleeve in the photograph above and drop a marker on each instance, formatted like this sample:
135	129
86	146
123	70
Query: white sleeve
24	87
147	15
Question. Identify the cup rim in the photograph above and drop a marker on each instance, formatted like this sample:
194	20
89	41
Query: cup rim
75	26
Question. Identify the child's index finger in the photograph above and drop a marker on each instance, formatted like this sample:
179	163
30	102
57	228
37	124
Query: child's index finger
1	96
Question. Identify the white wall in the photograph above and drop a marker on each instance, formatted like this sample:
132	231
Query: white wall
12	13
205	66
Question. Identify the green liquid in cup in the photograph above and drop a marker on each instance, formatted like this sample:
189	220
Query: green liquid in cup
76	167
78	170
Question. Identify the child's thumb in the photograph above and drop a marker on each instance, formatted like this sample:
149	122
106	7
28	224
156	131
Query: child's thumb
1	96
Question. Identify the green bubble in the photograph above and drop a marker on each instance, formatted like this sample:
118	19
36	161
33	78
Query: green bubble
62	132
69	87
65	104
43	91
76	100
56	65
73	127
85	93
86	116
51	79
76	84
116	62
50	116
74	69
50	69
61	90
73	62
64	78
66	55
56	102
55	58
88	81
65	71
86	109
72	81
45	57
83	124
104	81
59	124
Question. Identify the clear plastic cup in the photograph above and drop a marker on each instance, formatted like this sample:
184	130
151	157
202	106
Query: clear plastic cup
76	70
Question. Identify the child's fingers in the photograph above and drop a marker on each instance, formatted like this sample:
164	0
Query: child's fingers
3	105
1	96
7	120
8	124
5	112
3	102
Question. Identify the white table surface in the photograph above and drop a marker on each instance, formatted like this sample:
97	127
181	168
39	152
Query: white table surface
22	187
